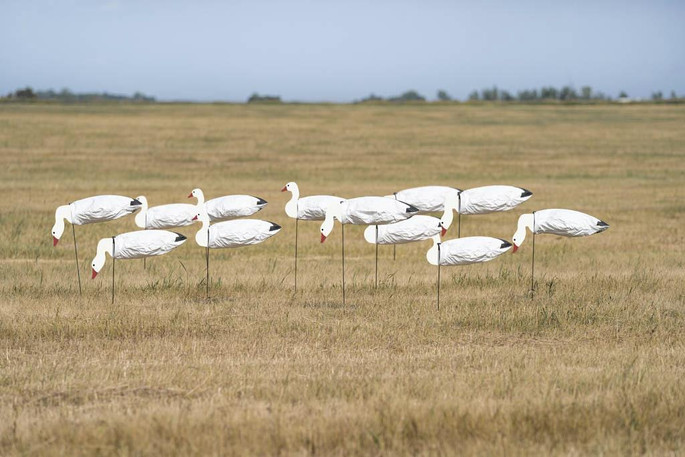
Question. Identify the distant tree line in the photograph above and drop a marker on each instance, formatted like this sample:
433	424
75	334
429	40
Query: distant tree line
65	95
408	96
256	98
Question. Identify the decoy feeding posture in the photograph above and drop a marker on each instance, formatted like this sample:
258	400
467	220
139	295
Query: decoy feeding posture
231	234
464	251
416	228
230	206
311	208
364	211
91	210
164	216
135	245
427	199
490	199
562	222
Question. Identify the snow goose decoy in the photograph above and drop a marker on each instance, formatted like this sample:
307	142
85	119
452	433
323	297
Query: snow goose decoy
311	208
231	234
561	222
416	228
91	210
164	216
490	199
427	199
363	211
464	251
135	245
229	206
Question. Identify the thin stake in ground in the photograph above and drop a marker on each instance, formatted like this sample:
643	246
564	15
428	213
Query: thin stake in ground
78	270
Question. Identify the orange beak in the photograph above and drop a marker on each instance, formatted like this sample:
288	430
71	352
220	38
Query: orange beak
190	195
284	189
194	218
323	237
95	273
516	248
55	240
443	231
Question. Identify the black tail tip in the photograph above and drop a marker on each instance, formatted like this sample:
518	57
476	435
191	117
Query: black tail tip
602	224
526	193
135	202
505	244
180	237
261	201
274	227
412	209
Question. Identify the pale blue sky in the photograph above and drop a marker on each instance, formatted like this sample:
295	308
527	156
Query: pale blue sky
340	50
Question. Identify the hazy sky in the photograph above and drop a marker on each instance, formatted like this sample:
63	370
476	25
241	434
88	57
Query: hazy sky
340	50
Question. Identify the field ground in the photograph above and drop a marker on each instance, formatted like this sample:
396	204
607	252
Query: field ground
594	364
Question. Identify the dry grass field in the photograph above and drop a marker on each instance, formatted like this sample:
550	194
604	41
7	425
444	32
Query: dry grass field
594	364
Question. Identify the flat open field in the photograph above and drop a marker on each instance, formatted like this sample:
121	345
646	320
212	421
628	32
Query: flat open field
594	364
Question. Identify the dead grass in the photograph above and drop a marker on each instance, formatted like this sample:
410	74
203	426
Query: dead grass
593	365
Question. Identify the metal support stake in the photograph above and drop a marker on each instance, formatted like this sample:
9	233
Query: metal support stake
78	270
343	262
376	257
439	276
297	220
114	261
207	259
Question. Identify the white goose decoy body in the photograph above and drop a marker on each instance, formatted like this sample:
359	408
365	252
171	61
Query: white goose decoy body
489	199
90	210
427	199
416	228
311	208
136	245
233	234
562	222
465	251
366	211
165	216
229	206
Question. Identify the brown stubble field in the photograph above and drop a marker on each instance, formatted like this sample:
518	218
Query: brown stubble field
594	364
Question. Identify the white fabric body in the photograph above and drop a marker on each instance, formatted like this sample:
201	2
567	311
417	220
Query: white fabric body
313	208
566	222
468	250
416	228
427	199
232	206
145	243
489	199
374	210
101	208
169	216
241	232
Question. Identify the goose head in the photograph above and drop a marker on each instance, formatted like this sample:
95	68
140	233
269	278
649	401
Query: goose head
104	246
451	205
291	187
525	220
197	193
58	229
140	217
332	212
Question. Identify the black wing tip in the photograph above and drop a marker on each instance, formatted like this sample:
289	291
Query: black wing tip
602	224
526	193
261	201
412	209
274	227
135	202
505	244
180	237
